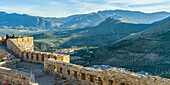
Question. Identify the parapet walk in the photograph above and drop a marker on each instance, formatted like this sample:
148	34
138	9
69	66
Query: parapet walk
80	75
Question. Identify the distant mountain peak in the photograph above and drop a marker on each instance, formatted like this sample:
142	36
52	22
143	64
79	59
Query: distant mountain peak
112	20
3	13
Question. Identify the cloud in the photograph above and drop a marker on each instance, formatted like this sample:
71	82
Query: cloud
135	2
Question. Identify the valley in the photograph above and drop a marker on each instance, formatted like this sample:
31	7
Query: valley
117	40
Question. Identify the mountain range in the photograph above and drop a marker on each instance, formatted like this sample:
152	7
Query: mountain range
27	22
103	34
122	36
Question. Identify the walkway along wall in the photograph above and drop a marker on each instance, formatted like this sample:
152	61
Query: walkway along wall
23	47
39	57
88	76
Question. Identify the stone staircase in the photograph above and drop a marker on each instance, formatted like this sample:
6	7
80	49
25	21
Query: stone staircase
5	49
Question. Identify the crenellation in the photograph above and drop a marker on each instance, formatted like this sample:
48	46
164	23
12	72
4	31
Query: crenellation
89	76
2	38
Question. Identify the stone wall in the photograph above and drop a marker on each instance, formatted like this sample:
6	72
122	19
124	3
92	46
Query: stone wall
2	38
3	54
80	75
23	48
39	57
22	43
13	77
13	47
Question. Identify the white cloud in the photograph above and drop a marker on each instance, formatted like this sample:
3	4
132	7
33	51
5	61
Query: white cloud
154	5
135	2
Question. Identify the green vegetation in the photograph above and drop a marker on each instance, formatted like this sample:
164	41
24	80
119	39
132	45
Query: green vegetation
148	52
166	36
165	75
104	34
121	44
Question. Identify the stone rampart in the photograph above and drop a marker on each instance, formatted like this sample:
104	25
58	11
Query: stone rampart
22	43
23	48
13	77
39	57
2	38
80	75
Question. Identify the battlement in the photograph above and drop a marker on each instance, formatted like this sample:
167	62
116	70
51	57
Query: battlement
2	38
39	57
80	75
22	43
23	47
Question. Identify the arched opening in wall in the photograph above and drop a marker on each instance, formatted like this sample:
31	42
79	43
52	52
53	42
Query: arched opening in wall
42	59
91	78
75	74
37	58
55	68
7	84
55	57
3	43
83	76
61	70
19	84
48	56
22	55
68	72
31	56
122	83
27	55
100	81
111	82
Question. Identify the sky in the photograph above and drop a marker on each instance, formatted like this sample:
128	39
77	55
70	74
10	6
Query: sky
63	8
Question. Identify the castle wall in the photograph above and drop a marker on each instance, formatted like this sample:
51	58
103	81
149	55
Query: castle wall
39	57
17	45
23	48
4	54
2	38
13	47
13	77
80	75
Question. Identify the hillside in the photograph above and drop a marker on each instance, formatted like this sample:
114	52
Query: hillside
103	34
148	50
17	22
92	19
23	22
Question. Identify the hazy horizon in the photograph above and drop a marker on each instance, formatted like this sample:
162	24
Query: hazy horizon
77	13
60	8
